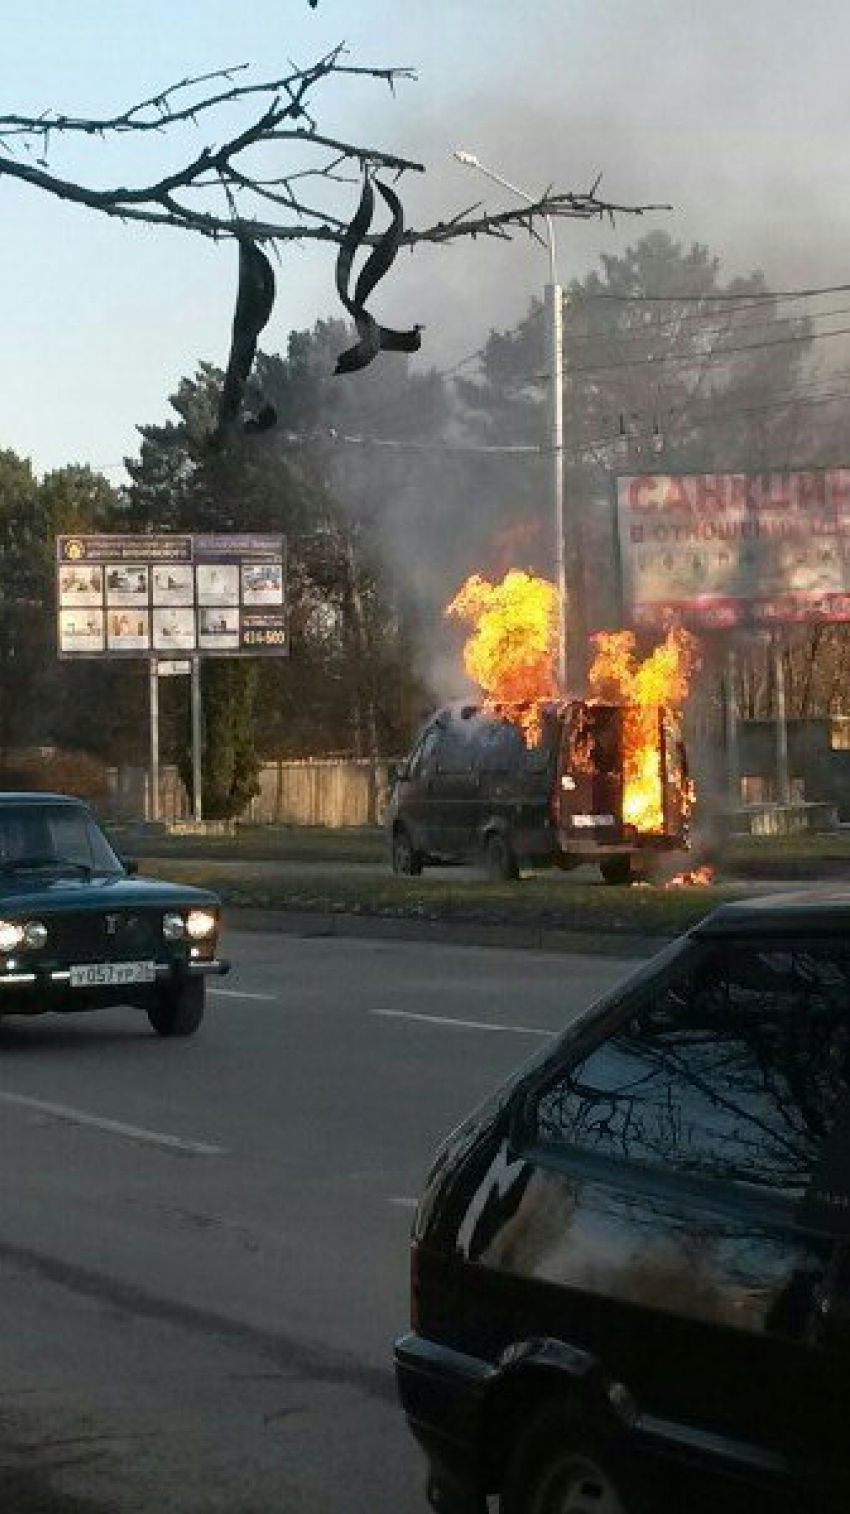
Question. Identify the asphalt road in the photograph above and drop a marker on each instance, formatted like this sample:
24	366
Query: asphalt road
203	1251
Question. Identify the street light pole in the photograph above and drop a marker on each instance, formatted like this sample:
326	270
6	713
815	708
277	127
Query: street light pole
553	313
554	328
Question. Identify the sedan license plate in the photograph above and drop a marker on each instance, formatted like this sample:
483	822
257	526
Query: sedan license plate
109	974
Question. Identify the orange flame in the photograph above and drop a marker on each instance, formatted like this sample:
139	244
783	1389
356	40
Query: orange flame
512	651
698	877
659	682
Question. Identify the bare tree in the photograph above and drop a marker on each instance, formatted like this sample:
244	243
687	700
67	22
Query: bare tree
227	189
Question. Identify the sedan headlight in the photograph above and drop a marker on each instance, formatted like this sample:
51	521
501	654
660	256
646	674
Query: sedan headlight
201	923
173	927
11	935
35	934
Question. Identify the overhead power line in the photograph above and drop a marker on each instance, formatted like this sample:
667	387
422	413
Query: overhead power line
647	332
576	449
723	297
790	403
722	416
711	357
397	444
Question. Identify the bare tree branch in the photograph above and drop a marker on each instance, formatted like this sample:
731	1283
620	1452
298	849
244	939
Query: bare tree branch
161	110
238	197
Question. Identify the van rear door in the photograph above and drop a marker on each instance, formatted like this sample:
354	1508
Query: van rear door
674	776
588	801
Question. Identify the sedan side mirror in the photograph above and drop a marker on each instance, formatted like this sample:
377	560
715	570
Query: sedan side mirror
131	866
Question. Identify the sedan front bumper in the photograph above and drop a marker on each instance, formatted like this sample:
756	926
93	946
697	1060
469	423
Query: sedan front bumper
31	989
60	977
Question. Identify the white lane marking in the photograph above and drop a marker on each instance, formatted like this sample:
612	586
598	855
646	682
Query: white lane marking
114	1127
409	1014
239	993
404	1203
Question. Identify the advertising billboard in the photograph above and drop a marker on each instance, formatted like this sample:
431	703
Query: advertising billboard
718	550
169	596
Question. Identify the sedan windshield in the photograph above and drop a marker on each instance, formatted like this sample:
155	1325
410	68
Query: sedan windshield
53	836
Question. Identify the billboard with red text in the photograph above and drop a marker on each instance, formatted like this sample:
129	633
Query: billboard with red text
719	550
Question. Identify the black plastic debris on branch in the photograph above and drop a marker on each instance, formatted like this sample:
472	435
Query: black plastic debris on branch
254	303
373	337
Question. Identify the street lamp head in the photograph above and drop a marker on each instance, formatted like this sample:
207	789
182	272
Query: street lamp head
468	159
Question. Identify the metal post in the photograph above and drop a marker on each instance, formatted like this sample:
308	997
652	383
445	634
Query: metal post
783	781
555	342
197	766
733	750
567	660
153	767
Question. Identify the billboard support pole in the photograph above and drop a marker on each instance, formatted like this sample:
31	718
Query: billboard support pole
783	781
733	752
153	769
197	771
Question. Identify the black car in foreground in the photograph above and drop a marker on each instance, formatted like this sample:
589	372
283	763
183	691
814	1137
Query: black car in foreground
78	929
631	1267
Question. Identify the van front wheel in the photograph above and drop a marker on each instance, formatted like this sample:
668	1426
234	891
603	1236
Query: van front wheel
500	864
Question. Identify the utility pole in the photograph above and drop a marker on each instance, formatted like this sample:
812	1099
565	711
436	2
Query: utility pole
568	658
555	335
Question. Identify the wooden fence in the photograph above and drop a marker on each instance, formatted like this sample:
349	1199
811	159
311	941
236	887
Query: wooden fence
320	791
311	791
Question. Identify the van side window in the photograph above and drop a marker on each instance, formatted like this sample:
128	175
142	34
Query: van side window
501	747
733	1070
456	750
414	761
421	763
428	753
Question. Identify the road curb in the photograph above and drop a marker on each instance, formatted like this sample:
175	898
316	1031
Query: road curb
450	932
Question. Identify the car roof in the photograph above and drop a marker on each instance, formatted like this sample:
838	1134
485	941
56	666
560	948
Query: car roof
800	911
30	796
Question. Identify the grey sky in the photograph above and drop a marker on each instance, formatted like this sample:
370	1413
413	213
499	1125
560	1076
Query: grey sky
733	110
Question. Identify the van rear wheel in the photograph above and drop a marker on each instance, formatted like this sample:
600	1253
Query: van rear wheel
406	860
500	864
616	869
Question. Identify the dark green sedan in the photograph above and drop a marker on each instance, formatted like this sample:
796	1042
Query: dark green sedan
78	929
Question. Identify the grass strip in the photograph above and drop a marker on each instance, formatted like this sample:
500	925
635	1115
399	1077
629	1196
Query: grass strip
548	900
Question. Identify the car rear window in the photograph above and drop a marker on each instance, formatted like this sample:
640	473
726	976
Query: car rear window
733	1068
